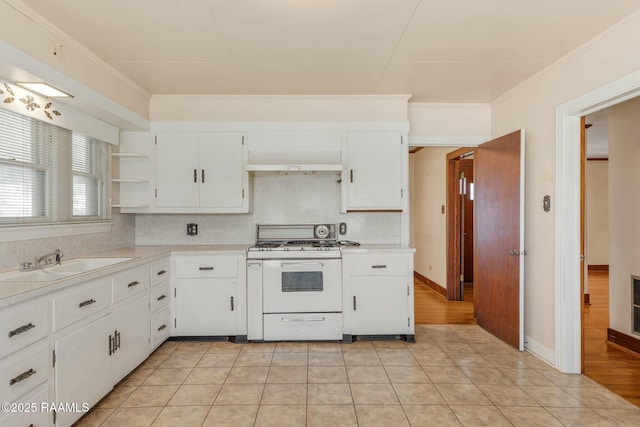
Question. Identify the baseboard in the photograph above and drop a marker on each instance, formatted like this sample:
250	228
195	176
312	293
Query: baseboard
593	268
626	342
542	352
430	283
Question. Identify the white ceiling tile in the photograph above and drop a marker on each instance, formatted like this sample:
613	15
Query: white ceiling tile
313	78
187	78
455	81
305	30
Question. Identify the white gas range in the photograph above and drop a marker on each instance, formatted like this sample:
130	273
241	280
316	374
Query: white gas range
294	283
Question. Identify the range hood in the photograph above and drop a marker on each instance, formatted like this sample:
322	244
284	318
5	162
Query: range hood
294	161
294	151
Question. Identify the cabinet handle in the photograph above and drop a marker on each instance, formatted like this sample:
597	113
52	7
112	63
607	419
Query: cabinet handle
21	330
164	326
161	272
351	175
355	305
161	297
86	303
117	341
23	376
111	349
132	284
202	176
379	266
205	268
195	175
232	304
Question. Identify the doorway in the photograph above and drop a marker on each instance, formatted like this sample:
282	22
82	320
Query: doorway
460	195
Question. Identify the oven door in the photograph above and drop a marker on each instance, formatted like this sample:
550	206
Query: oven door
302	286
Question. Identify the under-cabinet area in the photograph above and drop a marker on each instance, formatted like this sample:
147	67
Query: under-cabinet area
66	343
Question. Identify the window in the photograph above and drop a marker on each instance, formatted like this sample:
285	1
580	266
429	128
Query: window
51	175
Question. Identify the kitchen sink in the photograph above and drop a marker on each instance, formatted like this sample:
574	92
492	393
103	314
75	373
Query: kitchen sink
68	268
82	265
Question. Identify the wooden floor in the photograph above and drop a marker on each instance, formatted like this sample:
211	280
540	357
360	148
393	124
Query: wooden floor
431	308
615	369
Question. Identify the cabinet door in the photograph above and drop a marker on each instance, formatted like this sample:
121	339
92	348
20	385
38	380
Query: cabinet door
379	305
178	173
131	329
221	170
374	173
205	307
83	369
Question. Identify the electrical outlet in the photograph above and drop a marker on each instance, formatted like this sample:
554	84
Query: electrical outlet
343	228
192	229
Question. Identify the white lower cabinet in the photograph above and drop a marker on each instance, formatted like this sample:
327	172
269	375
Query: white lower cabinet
378	293
205	307
84	366
31	410
131	330
160	329
210	295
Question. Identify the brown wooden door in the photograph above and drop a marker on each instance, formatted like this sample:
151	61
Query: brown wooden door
499	237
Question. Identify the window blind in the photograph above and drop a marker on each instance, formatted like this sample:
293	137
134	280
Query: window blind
49	174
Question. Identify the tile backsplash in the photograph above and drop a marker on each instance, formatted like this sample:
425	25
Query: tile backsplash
277	199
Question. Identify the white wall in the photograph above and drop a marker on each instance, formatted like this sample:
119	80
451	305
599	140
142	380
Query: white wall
430	224
532	106
624	205
597	212
233	108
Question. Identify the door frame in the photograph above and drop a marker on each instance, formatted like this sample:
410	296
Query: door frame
568	299
454	166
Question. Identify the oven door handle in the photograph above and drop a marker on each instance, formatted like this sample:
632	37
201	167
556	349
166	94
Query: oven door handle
284	264
313	319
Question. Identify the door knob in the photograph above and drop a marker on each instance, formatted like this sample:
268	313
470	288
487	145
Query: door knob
514	252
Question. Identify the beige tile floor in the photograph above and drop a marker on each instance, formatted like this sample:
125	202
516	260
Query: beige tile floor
453	375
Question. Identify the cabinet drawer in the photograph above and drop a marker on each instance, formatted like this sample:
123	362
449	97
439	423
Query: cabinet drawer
81	301
160	327
33	401
303	326
23	324
130	282
379	265
159	272
206	266
159	297
23	371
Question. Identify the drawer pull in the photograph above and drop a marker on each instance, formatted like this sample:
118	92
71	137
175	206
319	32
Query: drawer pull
314	319
164	326
205	268
355	304
21	329
132	284
86	303
232	307
161	272
378	266
161	297
23	376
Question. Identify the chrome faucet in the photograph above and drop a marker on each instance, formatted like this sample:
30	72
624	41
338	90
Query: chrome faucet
38	262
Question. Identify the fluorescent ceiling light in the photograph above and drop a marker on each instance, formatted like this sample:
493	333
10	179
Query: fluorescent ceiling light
44	89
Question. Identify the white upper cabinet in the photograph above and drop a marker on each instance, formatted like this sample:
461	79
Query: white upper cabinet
373	177
201	172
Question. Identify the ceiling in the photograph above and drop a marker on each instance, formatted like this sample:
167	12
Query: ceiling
436	50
